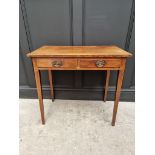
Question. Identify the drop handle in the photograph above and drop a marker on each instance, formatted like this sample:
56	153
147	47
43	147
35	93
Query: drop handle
57	63
100	63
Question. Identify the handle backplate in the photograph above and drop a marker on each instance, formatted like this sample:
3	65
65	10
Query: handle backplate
100	63
57	63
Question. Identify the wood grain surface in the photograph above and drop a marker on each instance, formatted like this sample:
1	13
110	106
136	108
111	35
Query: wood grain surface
79	51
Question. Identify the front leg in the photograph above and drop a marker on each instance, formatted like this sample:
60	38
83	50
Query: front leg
39	91
117	95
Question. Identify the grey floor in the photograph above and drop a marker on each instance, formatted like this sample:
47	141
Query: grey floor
76	128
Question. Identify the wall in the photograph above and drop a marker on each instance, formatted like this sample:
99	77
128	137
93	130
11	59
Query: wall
76	22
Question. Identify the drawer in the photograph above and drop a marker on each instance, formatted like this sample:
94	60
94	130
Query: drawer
99	63
56	62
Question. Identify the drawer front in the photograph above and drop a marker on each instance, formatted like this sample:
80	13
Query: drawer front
56	62
99	63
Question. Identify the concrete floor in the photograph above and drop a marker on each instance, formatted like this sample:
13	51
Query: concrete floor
76	128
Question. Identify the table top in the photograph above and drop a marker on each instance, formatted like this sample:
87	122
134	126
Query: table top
79	51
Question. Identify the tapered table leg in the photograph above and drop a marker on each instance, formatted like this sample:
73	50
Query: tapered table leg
39	91
106	85
51	84
117	95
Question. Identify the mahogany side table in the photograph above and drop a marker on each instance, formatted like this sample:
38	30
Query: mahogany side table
79	58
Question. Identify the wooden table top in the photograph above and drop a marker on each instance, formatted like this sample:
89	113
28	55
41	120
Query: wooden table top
79	51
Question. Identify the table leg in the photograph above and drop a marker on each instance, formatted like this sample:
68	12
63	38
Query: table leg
51	84
117	95
106	85
39	91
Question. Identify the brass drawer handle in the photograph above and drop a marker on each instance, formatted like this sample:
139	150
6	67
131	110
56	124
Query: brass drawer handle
57	63
100	63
